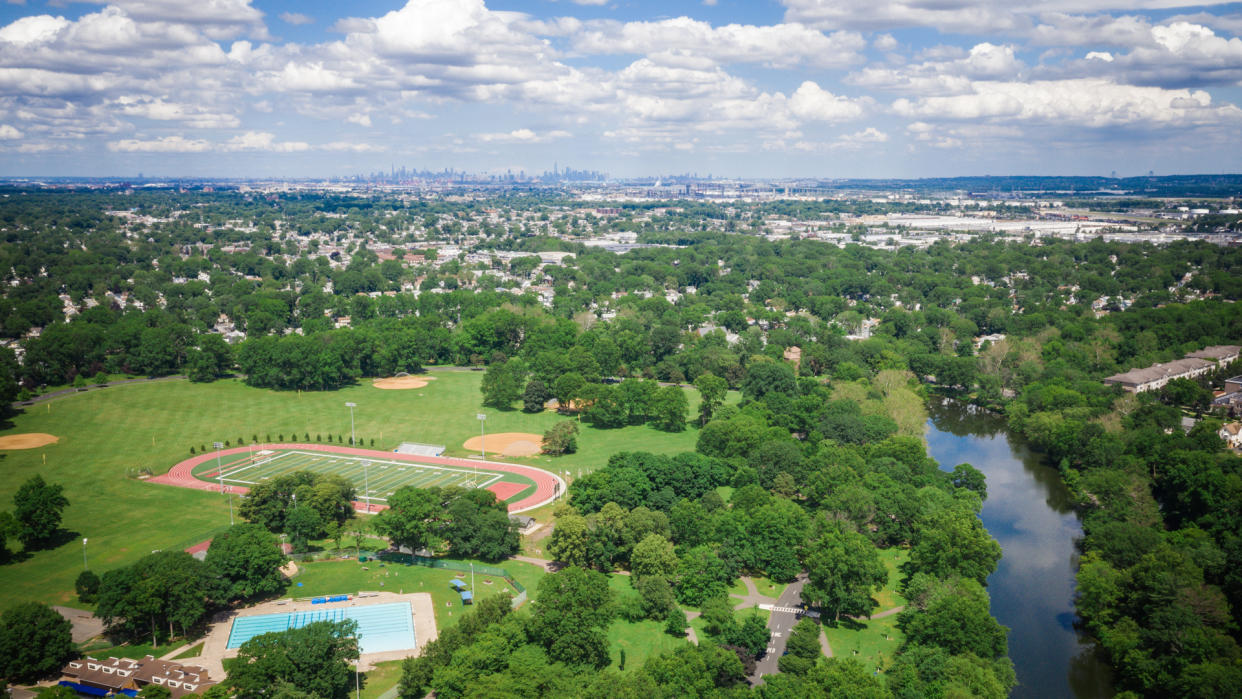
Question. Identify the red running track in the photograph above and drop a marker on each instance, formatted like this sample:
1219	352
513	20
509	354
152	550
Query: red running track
546	483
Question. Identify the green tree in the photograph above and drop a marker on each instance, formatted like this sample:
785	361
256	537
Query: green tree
157	594
653	557
668	409
477	525
843	568
952	541
802	649
752	635
410	518
155	691
712	390
535	396
701	576
954	615
35	642
38	506
503	383
570	613
567	388
561	438
313	659
571	539
87	586
303	524
247	560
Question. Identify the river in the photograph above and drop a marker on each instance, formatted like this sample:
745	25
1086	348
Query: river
1028	512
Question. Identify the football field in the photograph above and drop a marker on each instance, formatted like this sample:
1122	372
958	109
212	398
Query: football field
374	477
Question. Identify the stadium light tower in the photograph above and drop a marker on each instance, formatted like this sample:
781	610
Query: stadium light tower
84	566
366	483
482	437
219	468
353	439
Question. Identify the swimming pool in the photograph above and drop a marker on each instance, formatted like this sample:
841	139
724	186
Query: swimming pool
381	627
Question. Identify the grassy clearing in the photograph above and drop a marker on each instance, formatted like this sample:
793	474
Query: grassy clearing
192	652
382	678
889	597
874	644
103	649
349	577
110	434
764	586
640	640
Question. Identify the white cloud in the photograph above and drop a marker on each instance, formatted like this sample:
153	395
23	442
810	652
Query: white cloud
969	17
522	136
359	119
9	133
781	45
812	102
1179	54
296	18
984	61
263	141
36	29
1089	103
168	144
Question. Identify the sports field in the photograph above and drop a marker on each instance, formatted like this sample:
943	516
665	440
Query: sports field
375	475
110	439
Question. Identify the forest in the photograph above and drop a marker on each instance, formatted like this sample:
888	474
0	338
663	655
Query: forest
822	455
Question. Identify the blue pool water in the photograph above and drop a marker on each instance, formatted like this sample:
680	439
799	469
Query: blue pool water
381	627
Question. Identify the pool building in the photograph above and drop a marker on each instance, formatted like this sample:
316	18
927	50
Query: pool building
381	627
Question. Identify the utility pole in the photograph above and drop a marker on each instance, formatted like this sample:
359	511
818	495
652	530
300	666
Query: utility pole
353	437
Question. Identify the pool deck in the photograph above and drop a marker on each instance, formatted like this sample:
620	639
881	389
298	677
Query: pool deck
215	647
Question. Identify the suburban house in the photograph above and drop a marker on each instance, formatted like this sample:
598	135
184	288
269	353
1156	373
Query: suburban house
93	677
1232	434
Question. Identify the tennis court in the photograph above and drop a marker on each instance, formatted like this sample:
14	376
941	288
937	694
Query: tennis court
381	627
374	478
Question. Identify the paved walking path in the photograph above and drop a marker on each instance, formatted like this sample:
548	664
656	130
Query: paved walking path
89	387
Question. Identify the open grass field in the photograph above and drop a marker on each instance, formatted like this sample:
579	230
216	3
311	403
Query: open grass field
373	478
107	437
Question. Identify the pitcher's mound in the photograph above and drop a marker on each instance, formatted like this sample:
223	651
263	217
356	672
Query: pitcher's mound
399	382
30	440
507	444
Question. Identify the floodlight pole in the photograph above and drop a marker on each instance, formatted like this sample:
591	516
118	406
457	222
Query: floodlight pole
353	438
472	588
219	468
366	483
84	566
482	445
357	685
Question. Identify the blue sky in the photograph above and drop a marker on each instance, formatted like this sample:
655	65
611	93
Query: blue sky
761	88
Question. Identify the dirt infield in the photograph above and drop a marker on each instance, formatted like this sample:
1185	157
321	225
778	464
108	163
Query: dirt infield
30	440
546	484
402	382
506	443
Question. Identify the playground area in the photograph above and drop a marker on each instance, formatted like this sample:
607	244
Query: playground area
376	475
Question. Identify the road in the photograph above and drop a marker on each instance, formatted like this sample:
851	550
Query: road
784	615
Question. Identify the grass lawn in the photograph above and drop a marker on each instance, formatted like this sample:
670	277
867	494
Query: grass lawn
874	645
348	577
697	623
102	649
106	436
384	677
889	597
193	652
765	587
640	640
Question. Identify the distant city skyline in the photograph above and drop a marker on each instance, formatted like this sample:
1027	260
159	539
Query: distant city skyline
760	89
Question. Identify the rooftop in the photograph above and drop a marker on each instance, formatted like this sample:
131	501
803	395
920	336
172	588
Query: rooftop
1157	372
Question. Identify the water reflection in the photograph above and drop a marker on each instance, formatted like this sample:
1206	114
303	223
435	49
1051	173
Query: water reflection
1028	511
